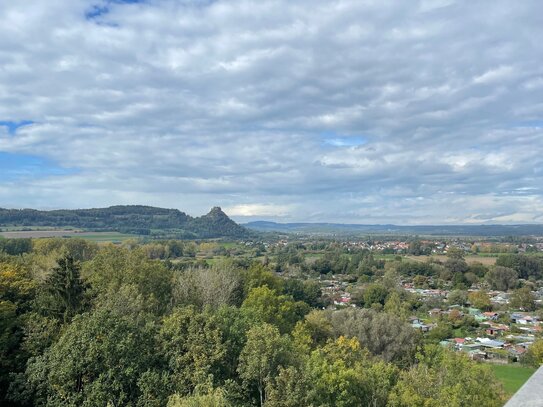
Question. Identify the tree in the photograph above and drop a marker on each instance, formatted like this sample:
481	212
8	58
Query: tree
417	248
308	291
455	253
78	249
477	268
523	299
322	266
479	299
215	286
374	294
271	308
214	398
341	374
96	361
394	306
10	337
259	275
16	286
66	289
192	347
261	357
457	297
441	332
289	388
501	278
315	330
15	247
525	266
17	290
382	334
457	265
446	379
114	267
534	355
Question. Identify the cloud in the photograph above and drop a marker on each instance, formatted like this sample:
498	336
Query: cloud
356	111
259	210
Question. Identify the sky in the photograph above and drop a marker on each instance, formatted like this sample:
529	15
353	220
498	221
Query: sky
351	111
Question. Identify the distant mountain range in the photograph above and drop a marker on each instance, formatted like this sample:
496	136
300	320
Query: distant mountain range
172	223
137	219
441	230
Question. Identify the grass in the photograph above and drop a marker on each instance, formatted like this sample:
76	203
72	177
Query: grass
105	237
512	376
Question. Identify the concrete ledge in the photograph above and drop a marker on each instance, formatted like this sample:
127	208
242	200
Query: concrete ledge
531	393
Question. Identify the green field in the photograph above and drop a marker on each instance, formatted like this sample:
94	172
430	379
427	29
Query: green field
104	237
512	376
41	232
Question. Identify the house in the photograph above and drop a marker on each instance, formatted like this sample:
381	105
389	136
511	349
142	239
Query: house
459	342
477	355
494	330
422	327
525	320
490	343
474	311
493	316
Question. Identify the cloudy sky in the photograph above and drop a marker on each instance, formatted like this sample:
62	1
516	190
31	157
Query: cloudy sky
407	112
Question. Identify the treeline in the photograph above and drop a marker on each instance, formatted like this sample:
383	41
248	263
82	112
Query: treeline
141	220
89	325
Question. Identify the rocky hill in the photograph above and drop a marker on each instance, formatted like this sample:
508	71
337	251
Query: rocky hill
129	219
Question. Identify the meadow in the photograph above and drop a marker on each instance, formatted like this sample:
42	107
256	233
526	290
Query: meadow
512	376
98	237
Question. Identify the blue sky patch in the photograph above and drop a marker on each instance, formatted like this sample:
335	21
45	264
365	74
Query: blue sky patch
98	10
15	166
13	126
336	140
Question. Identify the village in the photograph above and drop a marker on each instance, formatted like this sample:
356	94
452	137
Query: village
502	336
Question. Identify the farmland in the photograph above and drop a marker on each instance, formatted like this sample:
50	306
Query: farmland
87	235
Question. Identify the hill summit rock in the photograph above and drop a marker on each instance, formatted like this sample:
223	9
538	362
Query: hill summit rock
216	220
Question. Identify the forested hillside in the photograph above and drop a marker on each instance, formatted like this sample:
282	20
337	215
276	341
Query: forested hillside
129	219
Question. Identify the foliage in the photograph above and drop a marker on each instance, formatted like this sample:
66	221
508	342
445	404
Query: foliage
15	247
523	299
265	351
132	324
501	278
525	266
216	398
534	355
269	307
114	267
374	294
382	334
479	299
457	297
96	361
446	380
64	290
190	342
215	286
